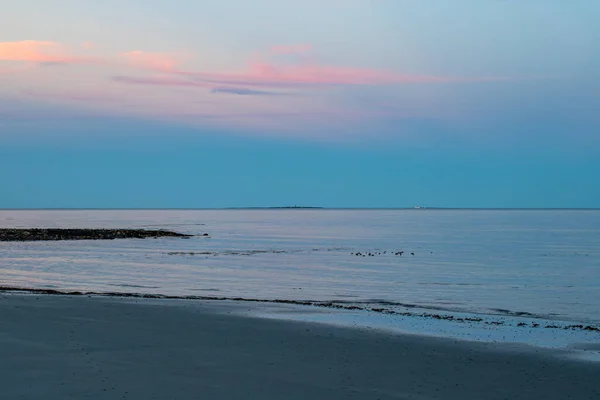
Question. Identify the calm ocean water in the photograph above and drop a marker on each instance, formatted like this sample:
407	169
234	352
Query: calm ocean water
546	263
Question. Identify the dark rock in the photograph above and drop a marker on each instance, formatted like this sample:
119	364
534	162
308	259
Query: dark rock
26	235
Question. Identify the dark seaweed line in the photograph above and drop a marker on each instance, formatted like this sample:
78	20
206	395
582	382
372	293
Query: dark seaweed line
249	252
324	304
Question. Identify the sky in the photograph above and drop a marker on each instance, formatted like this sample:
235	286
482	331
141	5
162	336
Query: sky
331	103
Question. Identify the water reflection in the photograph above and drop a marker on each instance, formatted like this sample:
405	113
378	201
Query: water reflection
540	262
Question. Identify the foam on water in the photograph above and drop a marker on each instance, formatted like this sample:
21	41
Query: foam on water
579	344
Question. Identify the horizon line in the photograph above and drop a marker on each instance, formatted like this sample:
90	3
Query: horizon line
294	208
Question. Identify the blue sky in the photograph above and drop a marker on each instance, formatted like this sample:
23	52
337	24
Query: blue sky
340	103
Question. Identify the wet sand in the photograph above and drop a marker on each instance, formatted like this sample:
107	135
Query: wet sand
61	347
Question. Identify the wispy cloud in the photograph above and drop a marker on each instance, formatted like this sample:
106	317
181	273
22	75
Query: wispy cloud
153	61
27	50
295	78
264	77
295	73
177	82
306	73
42	52
289	75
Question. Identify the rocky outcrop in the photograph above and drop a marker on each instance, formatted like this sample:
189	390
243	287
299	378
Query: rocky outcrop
36	234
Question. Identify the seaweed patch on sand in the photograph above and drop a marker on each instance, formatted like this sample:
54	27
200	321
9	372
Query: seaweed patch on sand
324	304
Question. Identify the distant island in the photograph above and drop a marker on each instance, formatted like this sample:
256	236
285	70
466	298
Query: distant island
295	207
37	234
276	208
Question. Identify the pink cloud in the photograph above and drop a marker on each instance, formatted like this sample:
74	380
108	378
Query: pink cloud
260	77
311	75
27	50
292	49
271	75
155	61
39	52
305	73
317	74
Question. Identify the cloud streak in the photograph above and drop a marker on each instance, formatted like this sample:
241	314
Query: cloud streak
288	75
291	74
304	80
244	91
305	73
263	78
167	81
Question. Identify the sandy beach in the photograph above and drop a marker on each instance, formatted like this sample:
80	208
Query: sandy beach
61	347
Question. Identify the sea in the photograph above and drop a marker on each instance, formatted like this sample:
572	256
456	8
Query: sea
505	266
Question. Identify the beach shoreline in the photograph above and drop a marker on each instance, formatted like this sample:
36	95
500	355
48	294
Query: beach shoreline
580	338
132	348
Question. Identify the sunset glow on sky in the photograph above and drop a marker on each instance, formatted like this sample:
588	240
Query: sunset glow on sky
466	103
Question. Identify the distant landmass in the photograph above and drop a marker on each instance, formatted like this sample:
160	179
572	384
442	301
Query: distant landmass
274	208
295	207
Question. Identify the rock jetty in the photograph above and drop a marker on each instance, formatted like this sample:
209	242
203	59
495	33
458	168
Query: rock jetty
27	235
